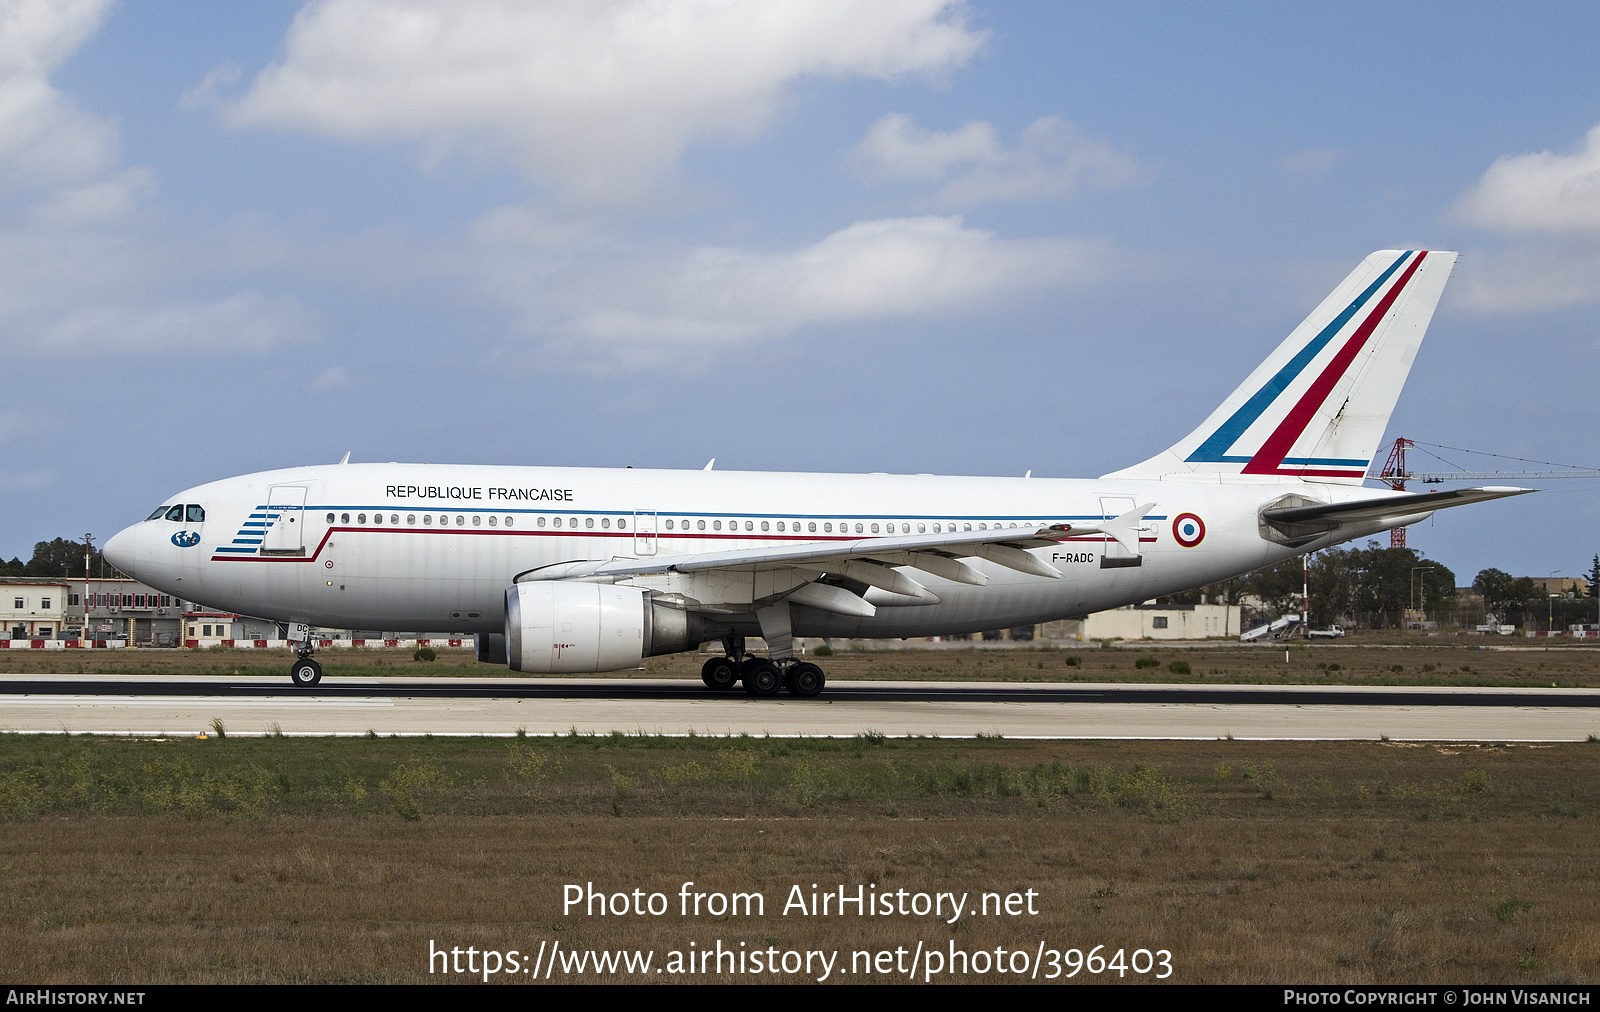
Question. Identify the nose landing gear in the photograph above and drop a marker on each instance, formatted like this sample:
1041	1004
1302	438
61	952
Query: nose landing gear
304	672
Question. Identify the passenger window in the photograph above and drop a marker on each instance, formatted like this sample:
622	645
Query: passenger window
427	520
966	527
922	528
827	528
477	521
669	525
812	527
605	523
492	521
716	525
394	518
572	522
330	518
874	528
361	518
588	521
983	527
556	522
411	518
621	524
197	514
859	530
764	526
377	518
344	518
780	526
508	521
700	525
461	521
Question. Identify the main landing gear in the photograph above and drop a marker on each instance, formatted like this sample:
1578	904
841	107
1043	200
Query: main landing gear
761	676
304	672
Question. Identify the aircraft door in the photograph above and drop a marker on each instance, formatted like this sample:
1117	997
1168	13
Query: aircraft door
644	533
1112	554
286	520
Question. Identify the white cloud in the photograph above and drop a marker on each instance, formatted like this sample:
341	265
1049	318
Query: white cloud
44	139
643	308
1551	204
1052	160
331	378
247	321
597	99
1541	192
77	271
1530	277
1311	164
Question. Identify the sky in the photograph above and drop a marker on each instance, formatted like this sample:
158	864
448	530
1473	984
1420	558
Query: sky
906	236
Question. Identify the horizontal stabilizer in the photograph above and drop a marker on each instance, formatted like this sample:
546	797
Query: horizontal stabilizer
1388	507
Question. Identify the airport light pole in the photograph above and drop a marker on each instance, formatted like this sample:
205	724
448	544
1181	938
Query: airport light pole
1413	585
1550	605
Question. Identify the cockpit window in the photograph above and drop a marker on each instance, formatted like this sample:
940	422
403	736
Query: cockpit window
175	513
197	514
157	515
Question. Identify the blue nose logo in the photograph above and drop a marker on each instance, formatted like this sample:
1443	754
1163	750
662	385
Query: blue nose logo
186	539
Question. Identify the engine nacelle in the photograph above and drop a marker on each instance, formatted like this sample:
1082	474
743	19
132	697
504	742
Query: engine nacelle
554	627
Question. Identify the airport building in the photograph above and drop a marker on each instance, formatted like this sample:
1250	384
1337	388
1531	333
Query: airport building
32	609
1152	622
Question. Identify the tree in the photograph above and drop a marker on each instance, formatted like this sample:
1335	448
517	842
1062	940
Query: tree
12	568
60	558
1277	587
1594	578
1505	595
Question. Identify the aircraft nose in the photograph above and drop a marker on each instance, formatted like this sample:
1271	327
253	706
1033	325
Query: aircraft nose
121	551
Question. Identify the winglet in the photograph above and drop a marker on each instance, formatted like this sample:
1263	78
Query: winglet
710	464
346	458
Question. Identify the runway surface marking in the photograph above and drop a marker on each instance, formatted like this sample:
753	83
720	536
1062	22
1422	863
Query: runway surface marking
603	706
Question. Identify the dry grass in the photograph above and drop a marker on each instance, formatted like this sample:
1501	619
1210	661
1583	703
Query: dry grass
338	859
1390	660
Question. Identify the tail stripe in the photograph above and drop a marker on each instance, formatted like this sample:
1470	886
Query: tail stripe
1213	450
1270	458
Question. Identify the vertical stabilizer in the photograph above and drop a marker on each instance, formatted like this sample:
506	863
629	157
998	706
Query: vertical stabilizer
1319	404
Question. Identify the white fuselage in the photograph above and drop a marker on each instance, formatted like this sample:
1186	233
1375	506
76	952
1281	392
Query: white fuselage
434	547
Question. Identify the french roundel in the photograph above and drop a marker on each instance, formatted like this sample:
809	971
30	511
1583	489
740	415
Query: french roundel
1188	530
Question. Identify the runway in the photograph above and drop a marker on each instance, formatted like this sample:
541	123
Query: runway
143	705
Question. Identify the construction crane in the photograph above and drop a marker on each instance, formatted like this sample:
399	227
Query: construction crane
1395	475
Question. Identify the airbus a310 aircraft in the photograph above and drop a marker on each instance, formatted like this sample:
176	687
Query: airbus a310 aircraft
577	570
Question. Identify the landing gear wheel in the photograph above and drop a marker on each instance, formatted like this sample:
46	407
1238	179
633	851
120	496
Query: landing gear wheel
761	677
805	680
305	673
720	674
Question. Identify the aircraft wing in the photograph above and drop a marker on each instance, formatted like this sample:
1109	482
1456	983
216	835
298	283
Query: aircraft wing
1388	507
869	560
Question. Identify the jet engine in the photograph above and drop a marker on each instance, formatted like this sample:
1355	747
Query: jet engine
554	627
